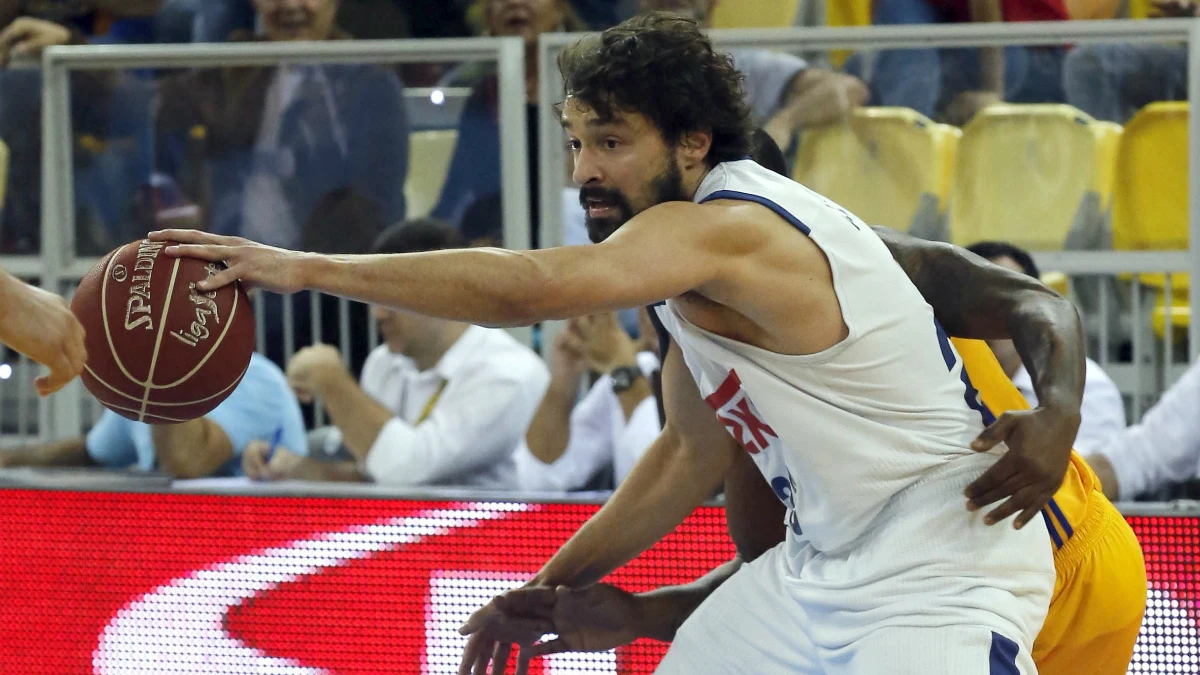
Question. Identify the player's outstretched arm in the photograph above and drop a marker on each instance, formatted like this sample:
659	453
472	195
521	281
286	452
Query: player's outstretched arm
973	298
681	469
662	252
40	325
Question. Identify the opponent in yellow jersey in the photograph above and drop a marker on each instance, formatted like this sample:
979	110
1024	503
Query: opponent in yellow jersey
1100	592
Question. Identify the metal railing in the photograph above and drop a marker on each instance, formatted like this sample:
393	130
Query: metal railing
58	266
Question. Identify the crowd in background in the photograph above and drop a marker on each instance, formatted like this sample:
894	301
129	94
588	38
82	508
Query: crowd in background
316	157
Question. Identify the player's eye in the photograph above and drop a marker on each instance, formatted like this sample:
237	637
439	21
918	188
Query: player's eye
610	144
574	145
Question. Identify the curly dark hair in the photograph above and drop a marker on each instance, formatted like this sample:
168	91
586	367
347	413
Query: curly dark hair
661	65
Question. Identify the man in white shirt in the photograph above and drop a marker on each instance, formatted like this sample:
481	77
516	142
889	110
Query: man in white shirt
1103	413
1163	448
440	402
570	445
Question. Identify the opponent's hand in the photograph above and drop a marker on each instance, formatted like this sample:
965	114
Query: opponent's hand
498	625
273	269
1039	449
40	325
27	36
593	619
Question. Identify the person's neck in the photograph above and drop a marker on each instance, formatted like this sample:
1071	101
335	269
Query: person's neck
693	179
440	343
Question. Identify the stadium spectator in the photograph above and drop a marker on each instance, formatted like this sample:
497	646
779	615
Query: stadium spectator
28	27
1103	412
1113	81
954	84
1163	448
593	443
261	406
474	170
784	93
271	143
203	20
439	403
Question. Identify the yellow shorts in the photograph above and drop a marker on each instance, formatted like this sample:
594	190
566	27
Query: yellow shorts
1099	598
1100	590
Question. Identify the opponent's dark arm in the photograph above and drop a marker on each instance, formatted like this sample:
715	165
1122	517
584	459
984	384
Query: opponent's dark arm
663	610
973	298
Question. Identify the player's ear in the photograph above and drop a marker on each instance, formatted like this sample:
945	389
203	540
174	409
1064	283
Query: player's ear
695	146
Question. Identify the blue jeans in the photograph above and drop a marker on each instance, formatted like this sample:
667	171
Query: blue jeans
926	80
1112	82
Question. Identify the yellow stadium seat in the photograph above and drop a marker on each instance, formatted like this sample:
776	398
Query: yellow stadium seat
754	13
846	13
429	154
1024	171
1150	203
879	163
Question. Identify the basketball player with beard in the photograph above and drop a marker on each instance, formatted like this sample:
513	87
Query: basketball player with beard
794	338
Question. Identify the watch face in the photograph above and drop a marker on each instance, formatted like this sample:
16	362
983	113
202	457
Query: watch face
624	377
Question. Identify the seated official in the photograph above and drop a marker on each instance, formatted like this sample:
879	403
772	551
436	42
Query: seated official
439	403
593	442
261	406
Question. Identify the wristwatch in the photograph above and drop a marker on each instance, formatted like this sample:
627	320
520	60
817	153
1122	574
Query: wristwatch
623	378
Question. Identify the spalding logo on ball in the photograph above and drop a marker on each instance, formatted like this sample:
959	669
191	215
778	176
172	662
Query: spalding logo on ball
160	350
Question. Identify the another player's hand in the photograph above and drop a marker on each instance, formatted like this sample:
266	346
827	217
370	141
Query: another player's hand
256	265
593	619
27	36
1027	475
312	368
40	325
496	627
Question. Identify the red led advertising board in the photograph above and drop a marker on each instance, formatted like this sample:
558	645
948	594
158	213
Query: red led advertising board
125	584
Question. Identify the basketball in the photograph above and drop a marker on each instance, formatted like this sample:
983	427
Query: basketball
159	350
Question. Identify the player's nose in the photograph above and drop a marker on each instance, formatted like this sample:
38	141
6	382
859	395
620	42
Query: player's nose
586	169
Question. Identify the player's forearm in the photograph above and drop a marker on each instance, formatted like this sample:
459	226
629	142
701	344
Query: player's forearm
486	286
359	417
664	488
972	298
550	429
663	610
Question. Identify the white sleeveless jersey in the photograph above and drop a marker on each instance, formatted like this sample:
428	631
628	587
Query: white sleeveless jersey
840	433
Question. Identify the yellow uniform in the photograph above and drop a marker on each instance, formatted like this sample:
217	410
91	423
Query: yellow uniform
1100	590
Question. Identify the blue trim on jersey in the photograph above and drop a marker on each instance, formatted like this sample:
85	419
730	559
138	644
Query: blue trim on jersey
971	394
1066	526
664	338
1058	542
1003	658
763	201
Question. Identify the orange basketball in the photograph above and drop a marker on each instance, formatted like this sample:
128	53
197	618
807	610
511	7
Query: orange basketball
159	350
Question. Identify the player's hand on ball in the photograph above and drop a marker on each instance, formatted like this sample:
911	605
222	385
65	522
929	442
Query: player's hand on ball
312	368
40	325
1027	475
255	265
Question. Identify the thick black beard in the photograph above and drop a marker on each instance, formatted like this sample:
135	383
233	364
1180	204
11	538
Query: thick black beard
666	187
